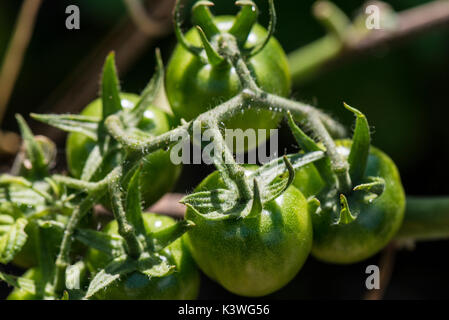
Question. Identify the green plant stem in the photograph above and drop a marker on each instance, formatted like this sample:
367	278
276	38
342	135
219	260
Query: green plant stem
426	218
125	229
224	160
339	166
63	259
229	49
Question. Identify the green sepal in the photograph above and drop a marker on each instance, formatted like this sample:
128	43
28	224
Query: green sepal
112	245
163	238
244	21
150	265
270	190
314	205
6	219
85	125
34	152
257	205
201	16
21	197
361	140
196	51
110	274
154	266
219	204
7	180
309	145
21	283
45	249
134	204
346	217
212	55
372	189
98	156
110	88
148	95
12	242
65	296
271	29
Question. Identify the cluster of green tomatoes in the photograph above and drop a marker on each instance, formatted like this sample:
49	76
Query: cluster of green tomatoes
252	252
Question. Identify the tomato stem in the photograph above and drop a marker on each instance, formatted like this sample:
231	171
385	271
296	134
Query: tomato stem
125	229
426	218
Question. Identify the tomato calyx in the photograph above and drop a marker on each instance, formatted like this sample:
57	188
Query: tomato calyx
334	196
210	35
269	182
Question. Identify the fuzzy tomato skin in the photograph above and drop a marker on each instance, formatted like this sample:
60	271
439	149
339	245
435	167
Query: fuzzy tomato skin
257	256
159	174
183	284
376	223
194	87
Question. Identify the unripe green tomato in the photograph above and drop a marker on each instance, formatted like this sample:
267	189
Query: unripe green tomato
254	256
194	87
158	175
183	284
377	221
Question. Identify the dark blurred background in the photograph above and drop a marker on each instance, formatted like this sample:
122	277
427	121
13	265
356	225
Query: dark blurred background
403	90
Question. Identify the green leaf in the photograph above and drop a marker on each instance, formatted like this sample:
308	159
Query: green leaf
93	163
46	251
112	273
6	219
134	204
314	205
71	123
270	190
257	204
163	238
12	242
219	204
27	285
153	266
372	189
65	295
110	88
112	245
19	196
244	21
33	150
346	216
358	157
6	180
149	94
308	145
